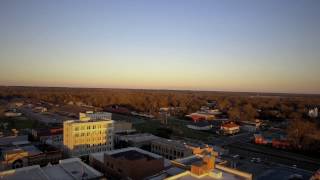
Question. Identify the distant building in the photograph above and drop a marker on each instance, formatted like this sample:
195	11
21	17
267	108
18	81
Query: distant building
88	135
118	109
12	113
144	115
170	149
230	128
128	163
212	103
95	115
22	154
250	126
40	109
174	149
52	136
313	113
274	138
122	126
139	140
201	116
72	168
9	140
18	104
200	126
208	110
14	105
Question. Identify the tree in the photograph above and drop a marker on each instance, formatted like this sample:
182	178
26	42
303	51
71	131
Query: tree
224	104
249	113
234	114
299	132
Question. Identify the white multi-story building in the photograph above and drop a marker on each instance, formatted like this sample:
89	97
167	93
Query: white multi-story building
85	136
313	113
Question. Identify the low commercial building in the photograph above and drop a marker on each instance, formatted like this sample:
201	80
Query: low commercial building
52	136
8	140
12	114
200	126
174	149
140	140
132	163
250	126
230	128
118	109
201	116
40	109
170	149
274	138
22	154
122	126
313	113
45	158
67	169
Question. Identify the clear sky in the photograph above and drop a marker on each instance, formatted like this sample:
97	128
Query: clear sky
233	45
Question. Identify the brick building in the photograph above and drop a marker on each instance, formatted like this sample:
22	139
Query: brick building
133	163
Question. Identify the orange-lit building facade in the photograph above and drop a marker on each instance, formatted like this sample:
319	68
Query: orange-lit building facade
85	136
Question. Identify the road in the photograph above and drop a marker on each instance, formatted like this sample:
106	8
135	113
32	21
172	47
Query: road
226	140
274	156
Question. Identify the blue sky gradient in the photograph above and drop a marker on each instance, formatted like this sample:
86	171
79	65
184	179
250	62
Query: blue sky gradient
247	45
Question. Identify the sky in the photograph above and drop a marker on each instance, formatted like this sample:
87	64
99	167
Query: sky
231	45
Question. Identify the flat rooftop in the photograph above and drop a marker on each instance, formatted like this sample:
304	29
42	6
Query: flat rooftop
176	143
141	137
213	175
88	120
100	155
176	173
132	153
188	161
68	169
10	139
31	149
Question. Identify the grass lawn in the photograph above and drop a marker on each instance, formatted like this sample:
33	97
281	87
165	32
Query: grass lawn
178	128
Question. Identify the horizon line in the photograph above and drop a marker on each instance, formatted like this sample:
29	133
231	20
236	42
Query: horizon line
161	89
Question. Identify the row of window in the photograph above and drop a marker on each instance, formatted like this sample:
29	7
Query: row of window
163	150
88	151
91	133
94	145
89	127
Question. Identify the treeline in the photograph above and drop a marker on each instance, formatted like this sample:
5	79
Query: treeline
239	106
302	130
